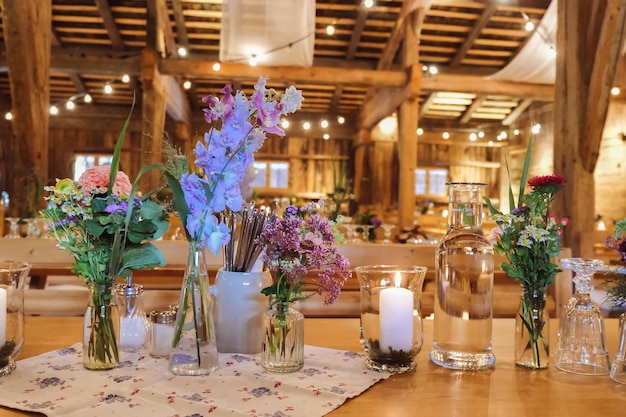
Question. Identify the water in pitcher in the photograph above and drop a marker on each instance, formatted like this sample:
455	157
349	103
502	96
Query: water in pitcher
464	289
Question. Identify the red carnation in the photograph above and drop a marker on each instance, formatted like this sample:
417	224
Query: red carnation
546	180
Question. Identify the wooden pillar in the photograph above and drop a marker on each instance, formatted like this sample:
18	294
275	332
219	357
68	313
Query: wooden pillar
153	116
589	39
407	125
26	30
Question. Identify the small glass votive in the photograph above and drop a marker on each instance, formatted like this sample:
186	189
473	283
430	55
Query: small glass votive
161	333
12	277
391	322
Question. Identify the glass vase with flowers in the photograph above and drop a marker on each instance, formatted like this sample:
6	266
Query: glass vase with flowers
107	229
239	127
529	237
300	242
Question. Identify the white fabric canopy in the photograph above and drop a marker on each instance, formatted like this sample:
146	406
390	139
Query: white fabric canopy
534	63
276	32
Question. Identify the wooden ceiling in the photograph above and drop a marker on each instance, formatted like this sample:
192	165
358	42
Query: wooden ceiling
95	42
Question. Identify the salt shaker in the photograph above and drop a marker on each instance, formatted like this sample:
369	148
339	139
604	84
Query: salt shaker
134	326
161	333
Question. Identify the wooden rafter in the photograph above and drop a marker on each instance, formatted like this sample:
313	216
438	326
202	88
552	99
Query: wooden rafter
181	28
427	103
397	33
476	104
334	103
109	23
490	9
516	112
164	29
356	34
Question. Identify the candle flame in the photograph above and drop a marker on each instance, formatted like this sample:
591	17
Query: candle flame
398	279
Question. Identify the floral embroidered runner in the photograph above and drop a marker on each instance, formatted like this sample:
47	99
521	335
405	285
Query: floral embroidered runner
56	384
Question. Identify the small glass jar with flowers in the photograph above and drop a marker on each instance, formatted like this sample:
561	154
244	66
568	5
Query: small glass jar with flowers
300	251
529	237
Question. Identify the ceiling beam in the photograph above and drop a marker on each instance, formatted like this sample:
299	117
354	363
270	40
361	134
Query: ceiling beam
427	103
164	29
467	115
109	23
181	27
397	33
482	21
356	34
517	111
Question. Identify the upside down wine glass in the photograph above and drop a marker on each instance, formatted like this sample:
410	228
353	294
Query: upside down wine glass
581	346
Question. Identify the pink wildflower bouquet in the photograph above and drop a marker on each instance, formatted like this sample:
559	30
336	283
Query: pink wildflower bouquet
298	243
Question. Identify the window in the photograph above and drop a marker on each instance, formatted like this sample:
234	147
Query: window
83	162
430	181
271	175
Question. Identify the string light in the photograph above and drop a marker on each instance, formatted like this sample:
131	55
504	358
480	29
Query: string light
8	115
536	128
326	136
125	78
445	135
54	110
615	91
306	125
368	3
217	66
70	105
252	61
108	89
473	136
330	30
419	131
324	124
284	123
87	98
341	120
187	85
182	51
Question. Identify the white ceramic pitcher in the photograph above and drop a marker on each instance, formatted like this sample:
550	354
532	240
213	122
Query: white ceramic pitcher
239	308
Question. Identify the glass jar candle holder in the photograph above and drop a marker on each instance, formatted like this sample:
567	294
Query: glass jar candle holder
391	329
12	277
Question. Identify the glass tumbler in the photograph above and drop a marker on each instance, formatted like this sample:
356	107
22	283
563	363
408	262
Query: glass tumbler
391	322
12	277
581	346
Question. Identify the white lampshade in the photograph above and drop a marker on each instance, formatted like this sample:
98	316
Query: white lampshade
275	32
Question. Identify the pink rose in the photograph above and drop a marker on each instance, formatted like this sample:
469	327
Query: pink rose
96	180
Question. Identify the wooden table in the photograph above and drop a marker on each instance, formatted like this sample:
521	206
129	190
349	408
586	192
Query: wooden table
430	391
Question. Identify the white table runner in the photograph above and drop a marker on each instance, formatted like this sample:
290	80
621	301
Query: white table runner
56	384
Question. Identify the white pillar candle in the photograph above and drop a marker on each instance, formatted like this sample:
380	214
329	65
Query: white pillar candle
396	318
3	316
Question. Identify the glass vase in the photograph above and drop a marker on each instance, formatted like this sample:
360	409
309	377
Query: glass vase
12	277
391	332
194	348
463	285
101	328
532	330
283	339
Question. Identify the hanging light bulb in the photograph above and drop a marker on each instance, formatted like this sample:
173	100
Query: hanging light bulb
70	105
473	136
529	26
182	51
187	85
252	61
419	131
324	124
368	3
217	67
285	123
8	115
341	120
54	110
306	125
445	135
125	78
108	89
326	136
87	98
330	30
615	91
536	128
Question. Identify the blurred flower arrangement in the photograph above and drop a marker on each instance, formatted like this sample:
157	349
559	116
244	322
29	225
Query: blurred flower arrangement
106	228
529	236
298	243
368	218
616	292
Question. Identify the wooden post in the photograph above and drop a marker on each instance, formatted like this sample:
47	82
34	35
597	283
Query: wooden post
27	39
589	39
407	127
153	116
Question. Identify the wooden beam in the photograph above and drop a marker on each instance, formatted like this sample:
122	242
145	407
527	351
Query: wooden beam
244	72
356	33
602	75
517	111
181	27
427	103
397	33
26	31
481	85
489	10
467	115
336	99
109	23
165	29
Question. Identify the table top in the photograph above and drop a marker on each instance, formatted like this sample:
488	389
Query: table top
430	391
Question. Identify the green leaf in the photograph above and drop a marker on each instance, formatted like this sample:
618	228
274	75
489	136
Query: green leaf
522	185
143	256
179	200
115	162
